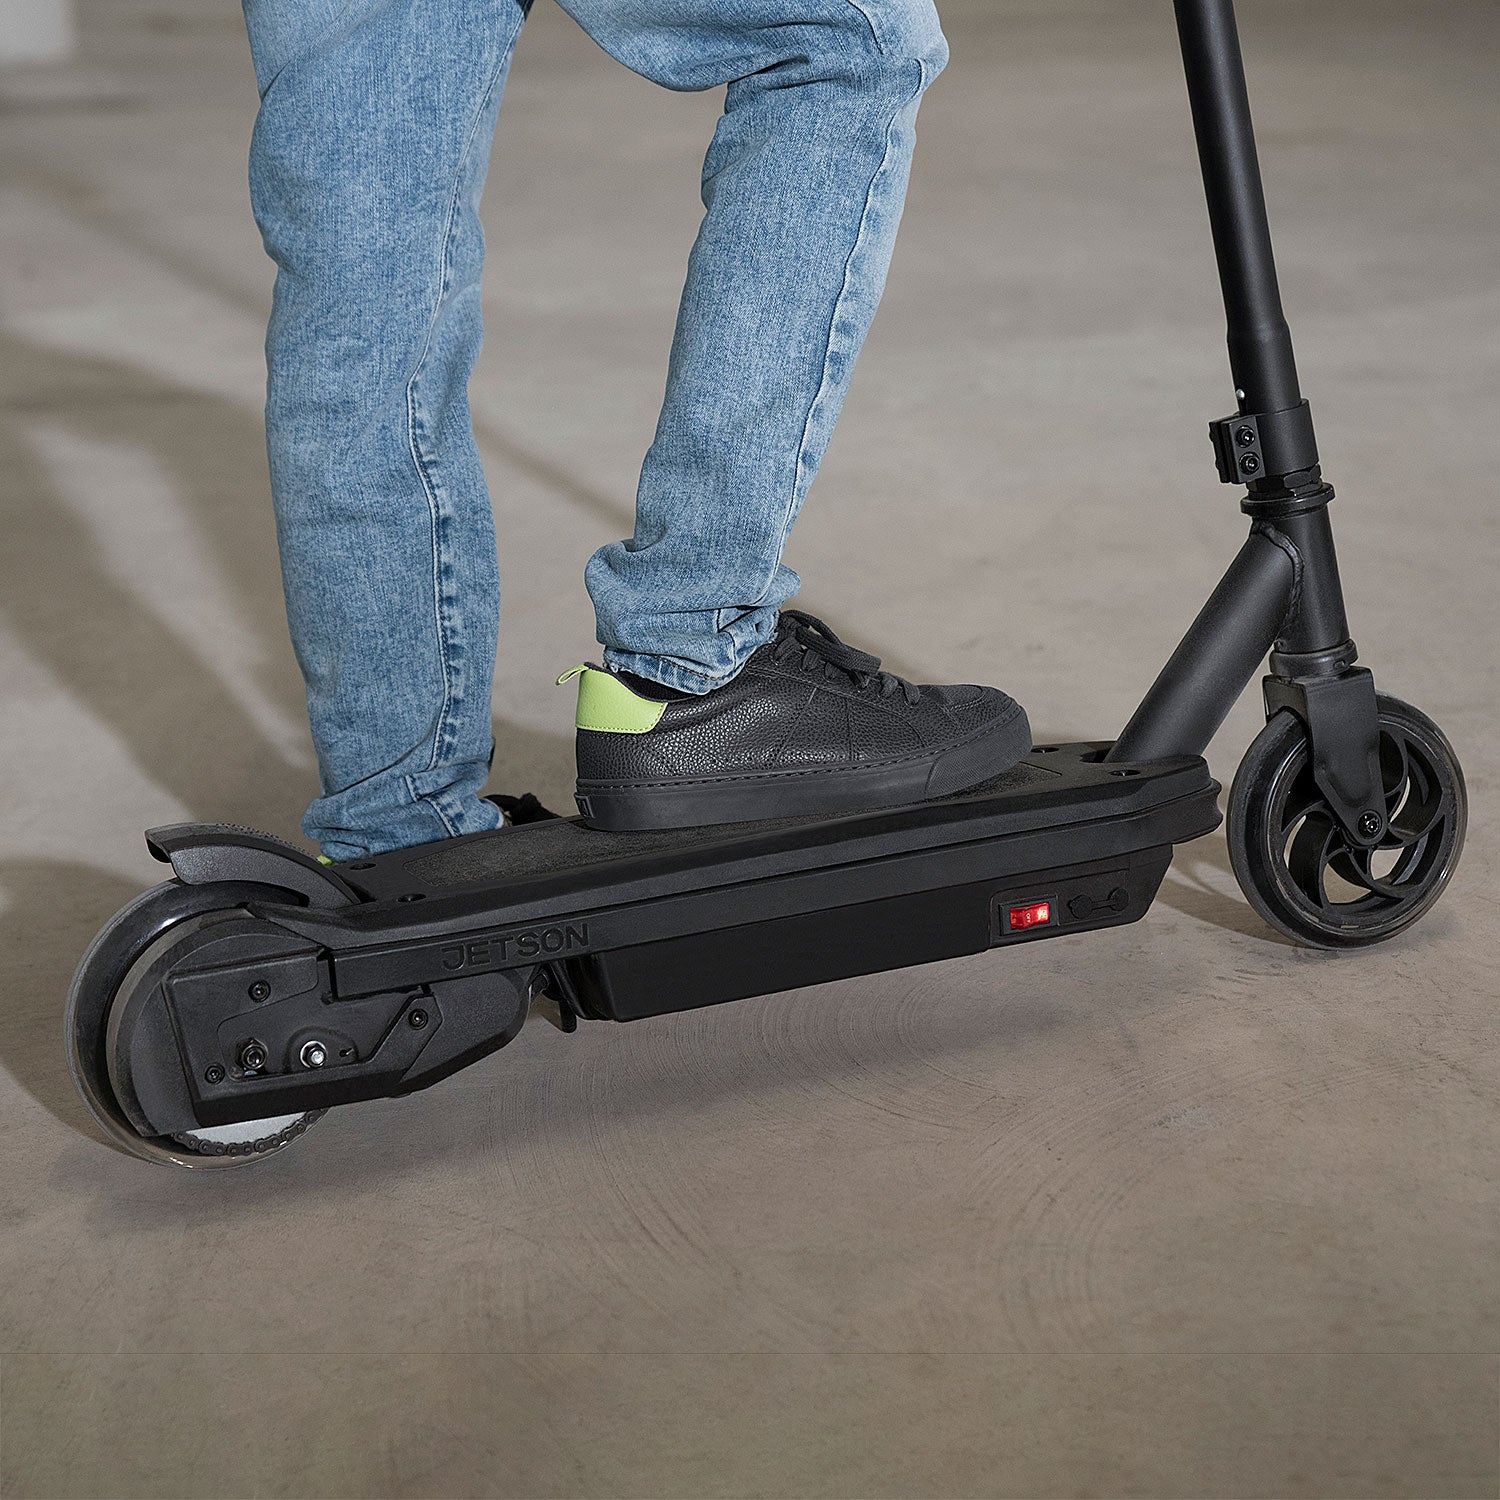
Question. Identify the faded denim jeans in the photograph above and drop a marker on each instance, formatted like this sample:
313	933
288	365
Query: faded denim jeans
366	167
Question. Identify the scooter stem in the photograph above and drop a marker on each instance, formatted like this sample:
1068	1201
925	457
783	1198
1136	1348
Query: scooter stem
1260	343
1282	590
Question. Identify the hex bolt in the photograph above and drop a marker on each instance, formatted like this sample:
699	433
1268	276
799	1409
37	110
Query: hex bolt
252	1057
314	1054
417	1020
260	990
1244	436
1249	464
1369	824
213	1073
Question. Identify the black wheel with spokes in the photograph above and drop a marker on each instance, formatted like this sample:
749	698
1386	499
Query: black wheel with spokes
1293	860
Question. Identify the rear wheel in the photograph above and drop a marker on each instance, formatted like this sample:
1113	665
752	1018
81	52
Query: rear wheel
128	956
1299	869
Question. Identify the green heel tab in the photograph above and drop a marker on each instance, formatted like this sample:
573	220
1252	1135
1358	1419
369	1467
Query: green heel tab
606	704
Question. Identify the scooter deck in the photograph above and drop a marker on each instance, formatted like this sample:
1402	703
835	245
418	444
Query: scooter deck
636	924
402	968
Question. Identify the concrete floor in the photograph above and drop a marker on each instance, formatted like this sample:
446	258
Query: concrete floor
1178	1209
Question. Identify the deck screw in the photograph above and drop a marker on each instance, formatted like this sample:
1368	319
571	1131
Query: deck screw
260	990
417	1020
1369	824
252	1057
213	1073
1249	464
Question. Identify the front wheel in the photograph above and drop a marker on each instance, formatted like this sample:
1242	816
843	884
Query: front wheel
1291	856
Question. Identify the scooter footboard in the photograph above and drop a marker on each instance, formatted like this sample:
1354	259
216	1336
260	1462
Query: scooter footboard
866	937
420	962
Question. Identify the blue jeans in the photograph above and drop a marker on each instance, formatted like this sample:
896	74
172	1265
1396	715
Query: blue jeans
366	167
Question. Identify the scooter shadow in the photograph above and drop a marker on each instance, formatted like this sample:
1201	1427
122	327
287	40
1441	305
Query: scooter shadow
1195	886
542	1098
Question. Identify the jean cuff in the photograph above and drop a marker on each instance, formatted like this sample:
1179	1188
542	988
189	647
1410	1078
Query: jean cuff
670	672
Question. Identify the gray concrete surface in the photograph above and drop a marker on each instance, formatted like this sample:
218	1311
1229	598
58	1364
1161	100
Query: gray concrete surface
1173	1210
36	30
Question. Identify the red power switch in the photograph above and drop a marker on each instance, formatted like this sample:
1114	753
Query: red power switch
1033	914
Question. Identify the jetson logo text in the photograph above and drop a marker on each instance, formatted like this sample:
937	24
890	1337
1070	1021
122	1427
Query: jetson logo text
487	952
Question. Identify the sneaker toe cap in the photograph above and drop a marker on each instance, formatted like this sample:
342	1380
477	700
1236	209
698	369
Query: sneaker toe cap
969	707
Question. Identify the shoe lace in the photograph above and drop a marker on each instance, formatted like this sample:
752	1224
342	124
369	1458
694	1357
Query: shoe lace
799	632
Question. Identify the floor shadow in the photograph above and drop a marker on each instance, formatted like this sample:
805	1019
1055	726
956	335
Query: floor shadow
53	909
1193	886
551	1102
128	666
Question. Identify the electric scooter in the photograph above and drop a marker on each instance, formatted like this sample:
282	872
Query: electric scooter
220	1014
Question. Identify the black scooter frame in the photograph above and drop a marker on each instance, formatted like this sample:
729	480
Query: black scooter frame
409	965
262	983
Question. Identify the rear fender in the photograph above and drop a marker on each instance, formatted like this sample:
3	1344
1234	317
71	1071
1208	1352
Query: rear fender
203	853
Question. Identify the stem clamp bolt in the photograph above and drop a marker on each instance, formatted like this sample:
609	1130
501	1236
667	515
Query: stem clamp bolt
1249	464
1244	436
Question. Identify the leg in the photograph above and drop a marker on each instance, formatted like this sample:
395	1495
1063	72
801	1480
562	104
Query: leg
366	167
803	186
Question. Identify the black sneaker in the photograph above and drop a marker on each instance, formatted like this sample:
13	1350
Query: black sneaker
808	725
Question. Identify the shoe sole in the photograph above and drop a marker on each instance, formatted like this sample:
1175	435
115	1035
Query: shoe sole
623	806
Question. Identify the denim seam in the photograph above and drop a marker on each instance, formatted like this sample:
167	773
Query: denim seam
442	617
869	21
838	306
